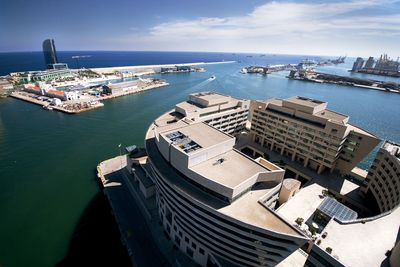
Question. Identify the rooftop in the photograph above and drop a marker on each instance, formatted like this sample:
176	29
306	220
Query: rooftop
304	101
313	107
392	148
207	99
246	209
249	210
56	92
332	115
303	204
230	169
200	133
369	240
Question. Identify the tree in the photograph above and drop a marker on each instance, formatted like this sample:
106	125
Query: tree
299	221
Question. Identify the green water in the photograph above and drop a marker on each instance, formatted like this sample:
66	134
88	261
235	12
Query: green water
48	159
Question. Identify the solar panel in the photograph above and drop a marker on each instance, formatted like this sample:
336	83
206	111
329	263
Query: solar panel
332	208
184	142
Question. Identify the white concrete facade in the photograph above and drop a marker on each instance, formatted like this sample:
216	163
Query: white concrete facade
209	196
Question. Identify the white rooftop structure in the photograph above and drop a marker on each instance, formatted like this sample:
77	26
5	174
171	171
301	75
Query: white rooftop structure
362	244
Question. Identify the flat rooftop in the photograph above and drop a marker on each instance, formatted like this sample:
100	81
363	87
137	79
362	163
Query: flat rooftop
363	244
231	171
392	148
201	133
235	169
207	99
249	210
332	115
321	112
304	101
303	204
246	209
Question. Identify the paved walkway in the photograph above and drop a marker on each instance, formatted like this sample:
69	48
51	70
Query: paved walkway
137	218
133	226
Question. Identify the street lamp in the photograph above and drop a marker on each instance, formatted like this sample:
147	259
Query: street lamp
120	156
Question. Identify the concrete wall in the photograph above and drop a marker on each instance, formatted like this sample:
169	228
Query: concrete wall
395	256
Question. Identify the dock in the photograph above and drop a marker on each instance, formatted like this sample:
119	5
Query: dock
317	77
75	107
29	98
151	69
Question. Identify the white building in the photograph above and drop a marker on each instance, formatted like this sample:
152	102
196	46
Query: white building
210	196
226	113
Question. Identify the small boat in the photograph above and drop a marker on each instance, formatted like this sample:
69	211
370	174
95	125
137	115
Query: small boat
212	78
47	107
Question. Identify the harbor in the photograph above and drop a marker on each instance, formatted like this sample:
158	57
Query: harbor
74	91
384	66
27	164
302	65
85	100
318	77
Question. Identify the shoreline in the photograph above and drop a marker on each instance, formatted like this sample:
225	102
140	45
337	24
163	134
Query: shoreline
138	67
349	85
28	97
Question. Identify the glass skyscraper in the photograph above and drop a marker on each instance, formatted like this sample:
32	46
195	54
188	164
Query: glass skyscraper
49	52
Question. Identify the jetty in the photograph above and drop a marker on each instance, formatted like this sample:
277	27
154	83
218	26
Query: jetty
87	102
318	77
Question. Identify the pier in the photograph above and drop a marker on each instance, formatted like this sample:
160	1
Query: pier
90	103
312	76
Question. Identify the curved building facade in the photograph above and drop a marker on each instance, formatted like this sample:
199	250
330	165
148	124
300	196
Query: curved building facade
49	53
384	177
210	197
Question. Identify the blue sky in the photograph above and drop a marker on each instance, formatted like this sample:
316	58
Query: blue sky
337	27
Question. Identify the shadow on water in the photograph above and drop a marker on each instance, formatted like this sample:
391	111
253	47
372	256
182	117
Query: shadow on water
95	241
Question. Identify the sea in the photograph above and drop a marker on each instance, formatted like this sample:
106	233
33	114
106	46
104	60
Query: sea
52	210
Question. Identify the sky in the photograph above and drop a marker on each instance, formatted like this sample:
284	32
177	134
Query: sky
336	27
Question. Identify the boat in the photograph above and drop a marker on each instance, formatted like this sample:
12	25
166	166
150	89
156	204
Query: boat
212	78
48	107
307	65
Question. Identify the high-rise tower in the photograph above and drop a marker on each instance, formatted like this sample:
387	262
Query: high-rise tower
49	52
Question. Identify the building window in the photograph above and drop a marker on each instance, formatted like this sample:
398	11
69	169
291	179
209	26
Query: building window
201	251
189	251
186	239
178	241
